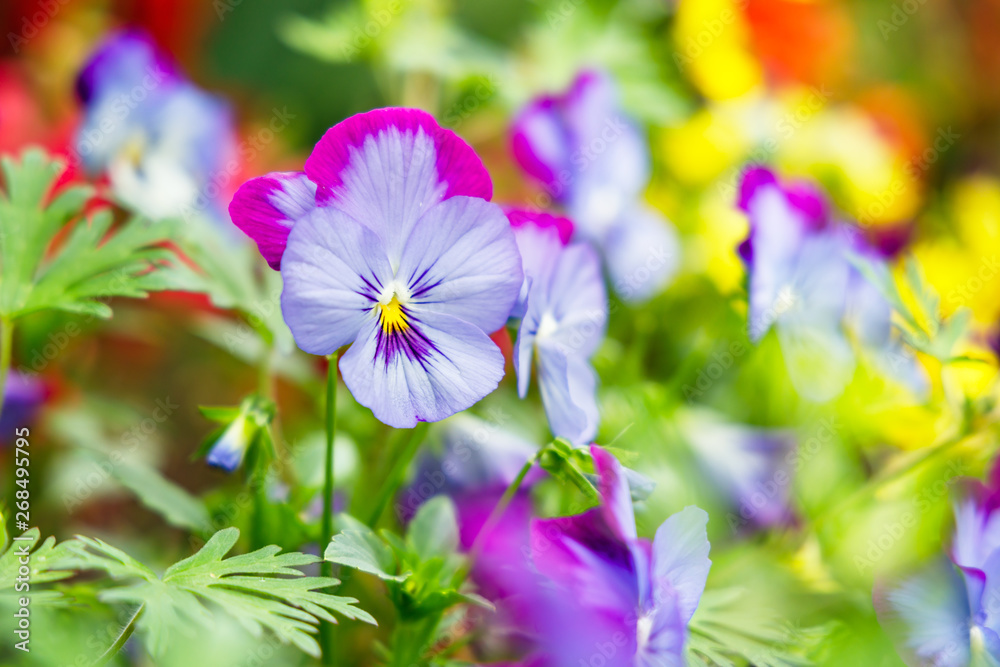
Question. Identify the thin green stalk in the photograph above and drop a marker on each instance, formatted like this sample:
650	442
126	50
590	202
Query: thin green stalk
126	632
501	507
395	476
326	530
494	518
6	346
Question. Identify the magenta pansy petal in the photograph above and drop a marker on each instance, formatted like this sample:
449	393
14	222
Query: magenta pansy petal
265	208
387	166
520	218
617	500
680	558
438	366
333	269
461	259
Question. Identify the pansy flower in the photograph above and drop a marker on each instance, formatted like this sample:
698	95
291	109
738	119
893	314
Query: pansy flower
948	614
405	260
565	313
803	284
160	139
593	161
751	467
632	599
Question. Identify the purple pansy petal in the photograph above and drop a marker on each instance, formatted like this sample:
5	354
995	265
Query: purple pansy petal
661	634
642	253
927	616
440	365
122	60
265	208
333	271
617	501
744	463
542	145
461	259
583	554
680	558
977	527
387	166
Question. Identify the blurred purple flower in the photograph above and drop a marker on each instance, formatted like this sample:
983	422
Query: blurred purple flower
408	260
594	162
23	396
565	313
163	142
750	466
948	614
631	599
802	283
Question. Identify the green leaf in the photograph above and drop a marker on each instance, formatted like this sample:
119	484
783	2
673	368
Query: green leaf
167	499
93	263
48	562
362	549
726	631
262	590
434	530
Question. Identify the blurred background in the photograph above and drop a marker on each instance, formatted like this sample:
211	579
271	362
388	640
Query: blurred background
892	107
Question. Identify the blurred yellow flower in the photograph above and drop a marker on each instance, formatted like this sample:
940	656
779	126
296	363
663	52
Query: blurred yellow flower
712	39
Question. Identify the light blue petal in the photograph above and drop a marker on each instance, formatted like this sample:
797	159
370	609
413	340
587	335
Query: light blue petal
576	300
461	259
333	269
928	616
459	366
569	394
778	233
642	253
680	560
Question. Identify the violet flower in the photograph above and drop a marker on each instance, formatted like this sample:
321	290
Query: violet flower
565	314
609	595
948	614
751	467
403	258
803	284
593	161
163	142
23	396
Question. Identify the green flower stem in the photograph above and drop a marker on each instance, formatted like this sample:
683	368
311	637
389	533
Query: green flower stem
6	345
120	641
395	476
494	518
326	530
410	639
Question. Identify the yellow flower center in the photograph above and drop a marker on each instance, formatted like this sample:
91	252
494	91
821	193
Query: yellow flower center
392	316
